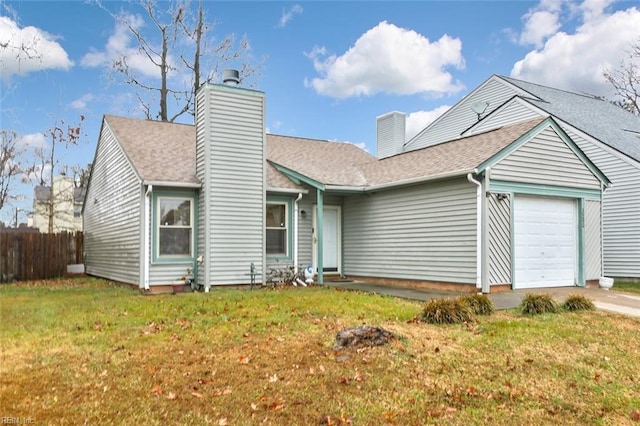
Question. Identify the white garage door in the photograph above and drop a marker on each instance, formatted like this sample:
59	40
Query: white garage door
545	242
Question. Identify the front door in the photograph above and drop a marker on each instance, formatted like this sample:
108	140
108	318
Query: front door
331	239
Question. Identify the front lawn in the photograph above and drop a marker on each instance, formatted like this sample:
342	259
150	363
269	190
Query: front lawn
88	351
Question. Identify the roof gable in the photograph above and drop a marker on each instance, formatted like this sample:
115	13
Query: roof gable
547	150
596	117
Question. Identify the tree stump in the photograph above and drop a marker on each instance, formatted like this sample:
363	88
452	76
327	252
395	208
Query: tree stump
363	336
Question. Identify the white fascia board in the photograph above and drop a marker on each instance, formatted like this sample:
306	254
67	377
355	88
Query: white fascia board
173	184
287	190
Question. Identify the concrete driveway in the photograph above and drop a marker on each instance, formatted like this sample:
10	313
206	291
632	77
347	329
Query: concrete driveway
605	300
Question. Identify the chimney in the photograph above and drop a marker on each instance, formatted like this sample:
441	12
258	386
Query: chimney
390	134
230	164
230	77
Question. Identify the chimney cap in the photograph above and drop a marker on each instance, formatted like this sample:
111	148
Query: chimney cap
231	77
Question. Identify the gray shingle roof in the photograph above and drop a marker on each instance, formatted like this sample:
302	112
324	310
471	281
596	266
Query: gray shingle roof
160	151
332	163
448	158
599	118
166	152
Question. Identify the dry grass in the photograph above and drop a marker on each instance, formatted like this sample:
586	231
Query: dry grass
94	353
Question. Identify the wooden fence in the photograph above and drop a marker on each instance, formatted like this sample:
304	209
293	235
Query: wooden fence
26	255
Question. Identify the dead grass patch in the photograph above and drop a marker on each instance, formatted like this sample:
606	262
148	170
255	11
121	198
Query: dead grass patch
109	356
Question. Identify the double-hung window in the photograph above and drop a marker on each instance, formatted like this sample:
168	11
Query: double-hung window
175	227
277	222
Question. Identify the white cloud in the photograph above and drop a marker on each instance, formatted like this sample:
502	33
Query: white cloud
593	9
28	49
388	59
33	141
539	26
287	15
416	121
81	102
120	45
576	61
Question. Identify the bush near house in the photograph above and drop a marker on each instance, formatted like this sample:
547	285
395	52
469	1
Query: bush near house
480	304
88	351
538	303
447	311
578	302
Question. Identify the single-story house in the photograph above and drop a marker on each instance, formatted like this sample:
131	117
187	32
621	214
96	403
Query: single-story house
606	133
518	206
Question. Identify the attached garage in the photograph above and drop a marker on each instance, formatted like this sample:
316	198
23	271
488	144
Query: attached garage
545	242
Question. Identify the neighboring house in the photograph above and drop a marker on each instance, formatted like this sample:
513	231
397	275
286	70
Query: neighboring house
607	134
222	195
67	208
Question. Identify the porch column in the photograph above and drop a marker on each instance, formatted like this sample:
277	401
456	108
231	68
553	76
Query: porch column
319	236
582	273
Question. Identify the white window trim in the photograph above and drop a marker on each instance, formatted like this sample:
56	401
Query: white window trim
158	225
286	228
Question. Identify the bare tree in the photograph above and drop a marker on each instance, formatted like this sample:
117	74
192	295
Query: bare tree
178	57
81	175
46	163
626	80
9	164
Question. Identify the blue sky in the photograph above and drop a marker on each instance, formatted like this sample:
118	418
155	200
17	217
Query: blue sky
329	68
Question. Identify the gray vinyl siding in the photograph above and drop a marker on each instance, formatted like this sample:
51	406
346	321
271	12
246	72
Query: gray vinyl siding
593	252
113	215
462	117
163	274
499	240
390	134
621	210
424	232
305	231
513	112
201	174
233	136
547	160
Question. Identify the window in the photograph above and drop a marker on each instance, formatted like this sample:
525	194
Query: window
277	229
175	227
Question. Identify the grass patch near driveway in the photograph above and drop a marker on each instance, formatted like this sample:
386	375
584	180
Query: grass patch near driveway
627	287
88	351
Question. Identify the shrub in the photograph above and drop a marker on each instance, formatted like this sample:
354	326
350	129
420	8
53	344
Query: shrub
538	303
578	302
446	311
480	304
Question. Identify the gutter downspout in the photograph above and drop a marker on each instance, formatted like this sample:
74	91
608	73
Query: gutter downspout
295	233
486	288
602	189
147	237
478	229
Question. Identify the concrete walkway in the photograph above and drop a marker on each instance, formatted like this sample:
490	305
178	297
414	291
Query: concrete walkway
605	300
